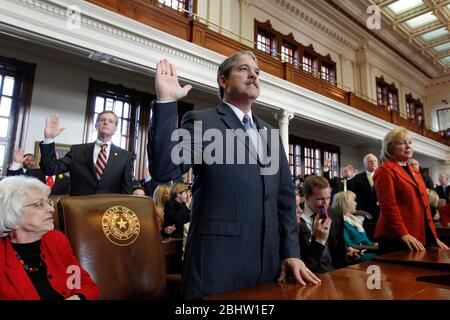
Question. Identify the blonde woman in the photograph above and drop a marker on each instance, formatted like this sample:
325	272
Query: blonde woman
405	218
354	234
160	196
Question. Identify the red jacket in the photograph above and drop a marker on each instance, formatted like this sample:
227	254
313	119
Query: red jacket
403	201
58	256
444	214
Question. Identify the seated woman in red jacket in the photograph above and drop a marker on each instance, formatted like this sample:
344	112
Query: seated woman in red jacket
405	220
36	262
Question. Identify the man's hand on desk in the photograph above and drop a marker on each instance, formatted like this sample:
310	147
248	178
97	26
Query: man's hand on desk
301	273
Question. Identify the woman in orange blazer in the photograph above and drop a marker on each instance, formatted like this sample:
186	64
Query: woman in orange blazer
405	220
36	262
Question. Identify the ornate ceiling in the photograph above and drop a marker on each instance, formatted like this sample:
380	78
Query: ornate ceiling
424	24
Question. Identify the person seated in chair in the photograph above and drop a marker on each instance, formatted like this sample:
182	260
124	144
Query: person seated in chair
36	262
177	210
321	230
354	233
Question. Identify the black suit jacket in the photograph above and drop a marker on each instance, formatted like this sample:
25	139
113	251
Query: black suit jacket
441	193
35	173
60	186
428	182
312	251
243	223
116	178
366	196
336	184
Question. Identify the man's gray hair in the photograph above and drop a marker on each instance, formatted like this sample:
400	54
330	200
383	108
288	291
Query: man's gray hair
14	191
226	66
366	158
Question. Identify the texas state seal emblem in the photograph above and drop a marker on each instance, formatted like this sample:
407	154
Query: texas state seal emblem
120	225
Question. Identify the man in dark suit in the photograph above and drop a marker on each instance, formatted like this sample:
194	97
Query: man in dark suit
443	190
362	186
24	165
338	184
97	167
321	238
428	182
243	225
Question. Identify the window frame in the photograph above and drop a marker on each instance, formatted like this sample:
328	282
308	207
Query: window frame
416	114
317	148
386	90
24	73
137	139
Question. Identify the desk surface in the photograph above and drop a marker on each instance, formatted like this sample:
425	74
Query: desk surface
398	282
439	259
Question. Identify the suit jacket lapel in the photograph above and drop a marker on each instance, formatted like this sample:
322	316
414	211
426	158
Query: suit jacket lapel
402	173
89	156
232	122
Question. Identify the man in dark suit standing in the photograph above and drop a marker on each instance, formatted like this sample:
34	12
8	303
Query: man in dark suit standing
243	226
321	229
426	179
97	167
362	186
24	165
443	190
338	184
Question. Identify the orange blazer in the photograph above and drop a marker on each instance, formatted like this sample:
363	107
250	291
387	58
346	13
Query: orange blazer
403	203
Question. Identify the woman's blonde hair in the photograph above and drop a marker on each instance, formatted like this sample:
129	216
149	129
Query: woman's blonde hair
158	198
388	142
342	200
434	198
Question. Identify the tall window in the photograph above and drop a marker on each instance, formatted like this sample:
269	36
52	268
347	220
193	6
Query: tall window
295	159
288	53
334	158
265	43
309	161
179	5
132	107
414	110
16	83
327	73
308	157
387	94
7	86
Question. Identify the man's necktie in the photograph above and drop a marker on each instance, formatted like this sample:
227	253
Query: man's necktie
369	177
252	132
247	122
101	161
50	182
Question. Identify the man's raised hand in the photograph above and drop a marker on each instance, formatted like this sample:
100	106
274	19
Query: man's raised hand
167	86
52	128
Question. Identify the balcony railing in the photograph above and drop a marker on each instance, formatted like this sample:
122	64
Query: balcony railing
189	28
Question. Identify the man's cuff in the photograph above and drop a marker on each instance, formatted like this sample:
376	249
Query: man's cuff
48	141
16	166
165	101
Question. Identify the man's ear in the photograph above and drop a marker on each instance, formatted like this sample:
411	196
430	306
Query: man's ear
222	81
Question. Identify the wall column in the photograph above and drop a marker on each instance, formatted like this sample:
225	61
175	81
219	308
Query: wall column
283	117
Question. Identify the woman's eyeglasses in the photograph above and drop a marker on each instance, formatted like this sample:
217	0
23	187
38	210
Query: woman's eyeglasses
40	203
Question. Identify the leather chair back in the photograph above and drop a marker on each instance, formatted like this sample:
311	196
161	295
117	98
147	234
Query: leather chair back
56	214
117	240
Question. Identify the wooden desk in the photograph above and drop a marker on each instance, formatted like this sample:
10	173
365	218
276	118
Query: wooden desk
397	283
436	259
173	251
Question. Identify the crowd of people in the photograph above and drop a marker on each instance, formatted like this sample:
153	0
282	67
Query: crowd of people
233	218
